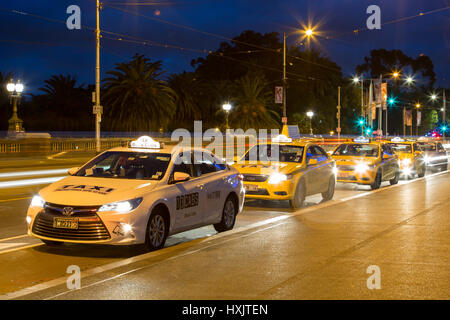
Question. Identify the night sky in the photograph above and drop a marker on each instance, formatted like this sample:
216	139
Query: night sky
35	49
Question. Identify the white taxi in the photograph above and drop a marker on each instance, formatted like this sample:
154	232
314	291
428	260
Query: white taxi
139	194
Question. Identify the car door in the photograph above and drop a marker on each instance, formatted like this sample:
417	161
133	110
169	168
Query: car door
388	165
211	183
312	173
186	199
325	168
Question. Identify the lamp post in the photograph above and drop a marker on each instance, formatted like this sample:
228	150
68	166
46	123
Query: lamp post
15	90
309	32
355	81
310	114
226	107
417	118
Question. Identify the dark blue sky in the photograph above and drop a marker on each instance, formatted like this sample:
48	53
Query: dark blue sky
35	49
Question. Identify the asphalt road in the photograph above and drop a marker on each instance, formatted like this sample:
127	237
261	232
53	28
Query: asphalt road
319	252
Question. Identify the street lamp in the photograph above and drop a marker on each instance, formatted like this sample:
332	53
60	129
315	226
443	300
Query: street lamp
309	32
417	118
356	80
310	114
15	90
226	107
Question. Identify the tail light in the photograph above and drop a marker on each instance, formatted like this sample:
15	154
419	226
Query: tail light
241	177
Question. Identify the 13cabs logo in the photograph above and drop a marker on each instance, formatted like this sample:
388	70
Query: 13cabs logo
187	200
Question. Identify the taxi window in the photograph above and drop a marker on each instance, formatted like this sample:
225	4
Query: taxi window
316	152
281	153
183	163
127	165
427	146
204	163
401	147
357	150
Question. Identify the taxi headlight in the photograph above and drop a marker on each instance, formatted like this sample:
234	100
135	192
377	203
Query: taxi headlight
361	168
121	206
37	201
406	161
277	177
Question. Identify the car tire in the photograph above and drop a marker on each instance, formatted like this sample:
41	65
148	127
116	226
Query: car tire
328	195
228	216
52	243
377	182
299	196
157	230
422	172
396	178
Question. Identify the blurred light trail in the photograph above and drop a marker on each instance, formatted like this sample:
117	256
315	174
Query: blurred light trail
32	173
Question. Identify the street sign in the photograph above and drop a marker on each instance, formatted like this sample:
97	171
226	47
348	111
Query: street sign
97	109
278	94
284	120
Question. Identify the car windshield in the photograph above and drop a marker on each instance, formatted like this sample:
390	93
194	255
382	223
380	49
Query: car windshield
275	152
401	147
357	150
127	165
427	146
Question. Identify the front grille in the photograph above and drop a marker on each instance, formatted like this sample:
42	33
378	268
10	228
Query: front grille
255	177
346	168
259	192
90	226
348	178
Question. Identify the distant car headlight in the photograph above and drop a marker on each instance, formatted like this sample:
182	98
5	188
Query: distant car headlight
276	178
361	168
37	201
121	206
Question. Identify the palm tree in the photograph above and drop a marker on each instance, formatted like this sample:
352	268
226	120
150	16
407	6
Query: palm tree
187	107
136	98
253	104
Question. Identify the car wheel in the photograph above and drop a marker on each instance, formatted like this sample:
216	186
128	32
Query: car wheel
377	182
51	243
396	178
228	216
299	196
328	195
157	231
422	171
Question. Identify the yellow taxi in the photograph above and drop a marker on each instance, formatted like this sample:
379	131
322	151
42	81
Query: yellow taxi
366	162
411	159
285	170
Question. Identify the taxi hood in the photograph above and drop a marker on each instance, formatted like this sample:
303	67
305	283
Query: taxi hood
267	168
345	160
87	191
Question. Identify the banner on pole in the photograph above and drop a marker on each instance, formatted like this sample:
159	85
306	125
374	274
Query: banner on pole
408	117
419	118
377	90
384	95
278	94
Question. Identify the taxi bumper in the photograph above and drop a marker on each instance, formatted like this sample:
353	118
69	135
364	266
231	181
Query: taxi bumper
267	191
351	176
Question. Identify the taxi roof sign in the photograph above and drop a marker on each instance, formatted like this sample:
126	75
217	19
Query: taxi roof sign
281	138
145	142
361	139
397	139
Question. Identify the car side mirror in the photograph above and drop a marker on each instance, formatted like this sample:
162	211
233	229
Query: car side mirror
73	170
180	177
312	162
386	156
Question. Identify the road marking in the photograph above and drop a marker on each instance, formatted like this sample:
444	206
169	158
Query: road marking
28	182
33	173
128	261
21	248
56	155
15	199
15	237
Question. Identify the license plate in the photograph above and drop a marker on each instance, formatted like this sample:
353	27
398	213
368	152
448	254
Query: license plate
343	174
65	223
250	187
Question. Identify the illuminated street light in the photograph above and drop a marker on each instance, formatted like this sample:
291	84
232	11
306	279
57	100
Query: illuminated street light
418	105
310	114
433	97
15	90
396	74
226	107
355	80
409	80
309	32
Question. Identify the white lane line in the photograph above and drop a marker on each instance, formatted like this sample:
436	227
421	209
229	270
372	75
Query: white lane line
14	199
32	173
13	238
56	155
4	246
28	182
128	261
